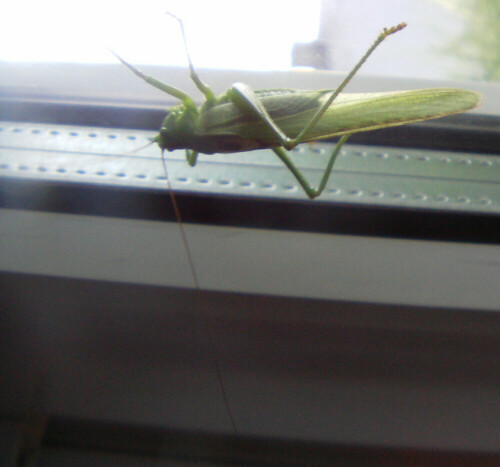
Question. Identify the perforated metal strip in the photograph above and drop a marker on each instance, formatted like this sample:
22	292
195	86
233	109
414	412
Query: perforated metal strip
362	174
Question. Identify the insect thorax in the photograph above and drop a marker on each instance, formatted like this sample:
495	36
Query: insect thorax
181	130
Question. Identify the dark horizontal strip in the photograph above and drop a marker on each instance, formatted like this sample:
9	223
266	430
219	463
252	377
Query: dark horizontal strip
81	114
262	213
465	132
207	448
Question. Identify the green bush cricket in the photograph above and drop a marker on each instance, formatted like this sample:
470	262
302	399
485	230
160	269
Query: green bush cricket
280	119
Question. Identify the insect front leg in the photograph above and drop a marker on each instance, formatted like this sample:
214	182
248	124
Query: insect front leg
203	87
172	91
306	186
192	157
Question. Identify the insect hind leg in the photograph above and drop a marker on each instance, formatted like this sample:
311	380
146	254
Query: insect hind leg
303	182
314	120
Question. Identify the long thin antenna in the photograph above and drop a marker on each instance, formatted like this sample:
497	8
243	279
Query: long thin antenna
204	314
180	224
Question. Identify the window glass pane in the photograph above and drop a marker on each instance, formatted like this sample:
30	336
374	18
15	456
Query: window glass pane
445	39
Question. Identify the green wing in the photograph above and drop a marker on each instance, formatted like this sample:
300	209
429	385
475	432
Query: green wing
352	113
349	113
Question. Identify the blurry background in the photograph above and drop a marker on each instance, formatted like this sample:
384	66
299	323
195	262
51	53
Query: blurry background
446	39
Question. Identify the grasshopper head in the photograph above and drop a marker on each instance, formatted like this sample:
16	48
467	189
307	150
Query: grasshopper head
177	129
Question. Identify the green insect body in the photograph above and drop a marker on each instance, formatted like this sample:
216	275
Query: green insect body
350	113
244	120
